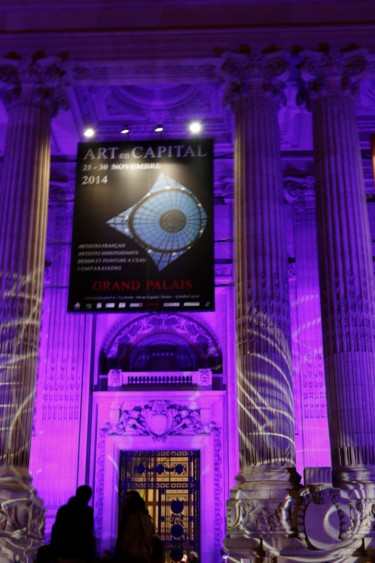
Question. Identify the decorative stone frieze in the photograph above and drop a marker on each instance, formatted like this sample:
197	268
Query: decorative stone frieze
159	419
314	523
119	73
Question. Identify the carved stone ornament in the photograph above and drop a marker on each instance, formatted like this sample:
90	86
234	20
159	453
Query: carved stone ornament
324	71
323	519
37	78
22	515
134	332
256	71
300	190
255	517
314	519
158	419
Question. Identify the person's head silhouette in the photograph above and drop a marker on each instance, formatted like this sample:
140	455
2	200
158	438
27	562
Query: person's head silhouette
134	502
83	494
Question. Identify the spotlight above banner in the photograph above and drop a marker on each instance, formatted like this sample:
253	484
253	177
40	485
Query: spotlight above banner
195	127
89	132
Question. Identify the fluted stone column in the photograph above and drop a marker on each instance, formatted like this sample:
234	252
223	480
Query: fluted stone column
32	91
345	265
264	379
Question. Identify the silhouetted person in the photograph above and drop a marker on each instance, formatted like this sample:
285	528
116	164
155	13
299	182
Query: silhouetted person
43	554
73	531
134	543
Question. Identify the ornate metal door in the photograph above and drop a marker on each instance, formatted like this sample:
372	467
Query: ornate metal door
169	481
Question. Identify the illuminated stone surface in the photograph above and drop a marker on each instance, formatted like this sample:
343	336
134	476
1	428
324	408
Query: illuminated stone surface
32	101
160	64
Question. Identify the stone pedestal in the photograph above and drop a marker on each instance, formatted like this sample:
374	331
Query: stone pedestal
21	516
256	514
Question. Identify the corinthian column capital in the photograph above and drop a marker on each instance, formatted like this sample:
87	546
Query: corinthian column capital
253	73
333	71
36	79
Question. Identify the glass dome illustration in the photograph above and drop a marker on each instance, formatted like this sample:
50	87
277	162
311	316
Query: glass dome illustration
167	221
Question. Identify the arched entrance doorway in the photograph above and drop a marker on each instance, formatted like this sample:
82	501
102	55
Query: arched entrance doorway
140	431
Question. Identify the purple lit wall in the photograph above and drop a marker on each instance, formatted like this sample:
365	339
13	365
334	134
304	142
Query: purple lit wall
312	440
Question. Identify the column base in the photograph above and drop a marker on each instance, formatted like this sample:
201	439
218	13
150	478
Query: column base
255	528
22	516
271	517
361	479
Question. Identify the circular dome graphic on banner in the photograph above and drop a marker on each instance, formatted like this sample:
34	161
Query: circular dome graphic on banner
167	221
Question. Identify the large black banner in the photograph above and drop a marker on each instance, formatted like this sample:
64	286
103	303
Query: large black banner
143	227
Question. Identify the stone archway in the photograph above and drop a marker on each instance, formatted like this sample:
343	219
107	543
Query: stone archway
160	342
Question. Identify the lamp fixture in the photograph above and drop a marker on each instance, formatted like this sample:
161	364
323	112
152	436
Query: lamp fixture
89	132
159	129
125	130
195	127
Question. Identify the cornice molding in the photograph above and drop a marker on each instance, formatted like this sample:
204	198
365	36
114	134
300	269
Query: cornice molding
197	43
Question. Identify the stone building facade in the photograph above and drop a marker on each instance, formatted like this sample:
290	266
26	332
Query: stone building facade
248	429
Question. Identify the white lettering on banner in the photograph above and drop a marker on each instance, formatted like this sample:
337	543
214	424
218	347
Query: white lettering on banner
171	151
101	153
159	151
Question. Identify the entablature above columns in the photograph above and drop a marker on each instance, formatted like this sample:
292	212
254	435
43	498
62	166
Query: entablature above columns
107	91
